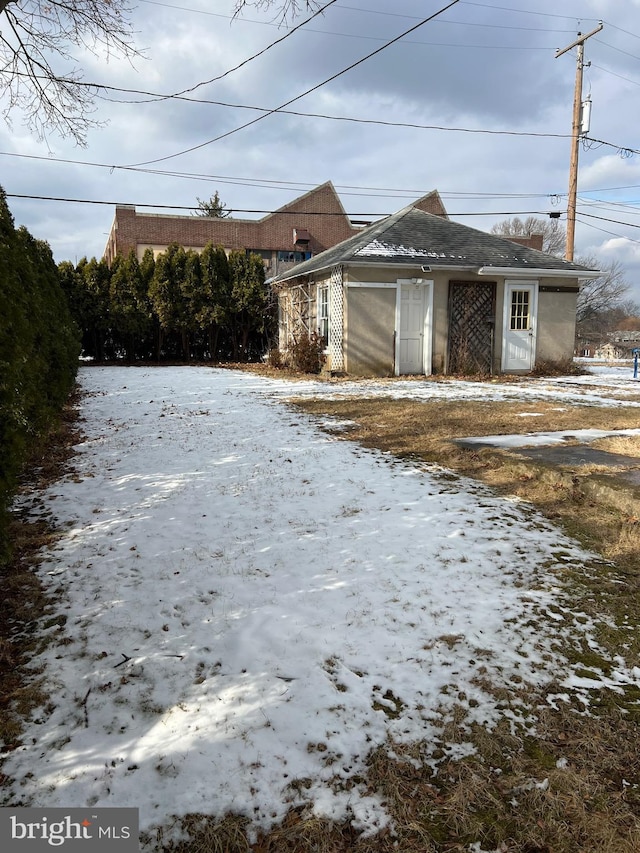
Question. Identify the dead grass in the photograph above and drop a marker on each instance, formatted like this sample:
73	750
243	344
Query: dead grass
573	788
425	432
627	445
579	500
24	602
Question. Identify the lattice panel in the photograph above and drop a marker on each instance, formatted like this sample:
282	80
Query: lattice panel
336	313
294	313
471	326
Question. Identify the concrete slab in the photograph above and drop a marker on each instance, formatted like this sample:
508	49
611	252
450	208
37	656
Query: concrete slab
627	467
578	454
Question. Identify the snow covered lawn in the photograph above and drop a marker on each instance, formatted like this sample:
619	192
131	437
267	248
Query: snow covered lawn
252	606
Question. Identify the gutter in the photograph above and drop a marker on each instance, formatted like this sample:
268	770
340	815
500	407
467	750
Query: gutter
511	272
529	272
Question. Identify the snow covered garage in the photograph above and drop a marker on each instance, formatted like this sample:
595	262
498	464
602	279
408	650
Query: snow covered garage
416	293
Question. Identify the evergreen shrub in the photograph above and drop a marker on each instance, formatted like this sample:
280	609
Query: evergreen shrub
39	349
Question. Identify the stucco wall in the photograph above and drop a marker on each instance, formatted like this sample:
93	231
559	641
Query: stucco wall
370	324
440	335
556	325
370	318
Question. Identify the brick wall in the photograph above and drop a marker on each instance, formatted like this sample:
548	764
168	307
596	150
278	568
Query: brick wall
319	212
431	203
532	241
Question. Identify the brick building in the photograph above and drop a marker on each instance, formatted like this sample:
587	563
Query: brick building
305	227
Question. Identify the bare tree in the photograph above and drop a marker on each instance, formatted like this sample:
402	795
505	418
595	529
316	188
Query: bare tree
554	235
37	34
600	295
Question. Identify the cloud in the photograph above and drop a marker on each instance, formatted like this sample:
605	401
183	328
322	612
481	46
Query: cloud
476	67
610	170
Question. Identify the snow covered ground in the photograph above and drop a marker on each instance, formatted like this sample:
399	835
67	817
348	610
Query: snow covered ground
252	606
603	386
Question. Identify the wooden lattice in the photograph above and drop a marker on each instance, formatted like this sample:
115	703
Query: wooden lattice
336	313
471	326
296	310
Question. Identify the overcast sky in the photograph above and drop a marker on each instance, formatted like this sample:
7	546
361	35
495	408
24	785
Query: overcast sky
480	66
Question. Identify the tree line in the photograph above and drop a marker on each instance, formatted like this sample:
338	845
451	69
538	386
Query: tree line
39	349
181	305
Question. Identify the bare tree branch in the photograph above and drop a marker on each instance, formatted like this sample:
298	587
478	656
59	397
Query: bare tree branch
34	36
286	9
602	294
553	234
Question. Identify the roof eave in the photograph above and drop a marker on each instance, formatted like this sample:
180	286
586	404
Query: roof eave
281	279
527	272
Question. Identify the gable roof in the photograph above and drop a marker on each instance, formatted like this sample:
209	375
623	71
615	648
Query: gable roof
431	203
319	213
323	197
413	237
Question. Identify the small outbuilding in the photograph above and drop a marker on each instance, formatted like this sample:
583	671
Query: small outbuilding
416	293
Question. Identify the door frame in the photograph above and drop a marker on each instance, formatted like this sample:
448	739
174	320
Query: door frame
509	286
427	326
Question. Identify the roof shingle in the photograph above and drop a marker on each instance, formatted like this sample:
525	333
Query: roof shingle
415	235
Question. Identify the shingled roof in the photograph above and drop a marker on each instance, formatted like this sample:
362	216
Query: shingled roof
413	237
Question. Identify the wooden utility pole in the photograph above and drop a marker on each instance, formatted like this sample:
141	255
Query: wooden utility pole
575	137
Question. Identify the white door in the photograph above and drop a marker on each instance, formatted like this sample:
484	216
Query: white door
413	348
519	325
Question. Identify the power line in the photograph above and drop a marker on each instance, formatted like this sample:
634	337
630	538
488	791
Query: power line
615	74
623	151
618	49
367	12
268	183
525	11
255	210
251	58
307	92
180	95
626	32
281	184
457	23
299	213
605	219
605	231
265	181
328	117
629	207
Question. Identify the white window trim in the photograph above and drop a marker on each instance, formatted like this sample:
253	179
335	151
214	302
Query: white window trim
371	284
319	287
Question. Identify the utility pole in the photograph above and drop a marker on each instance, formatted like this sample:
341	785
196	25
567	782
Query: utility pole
576	132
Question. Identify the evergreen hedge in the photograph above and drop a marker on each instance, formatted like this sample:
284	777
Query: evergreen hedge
39	349
179	306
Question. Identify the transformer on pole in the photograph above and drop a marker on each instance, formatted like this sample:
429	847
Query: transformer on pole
581	113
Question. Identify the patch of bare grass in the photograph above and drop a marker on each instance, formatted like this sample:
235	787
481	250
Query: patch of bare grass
513	792
572	788
426	431
626	445
421	426
25	604
563	790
